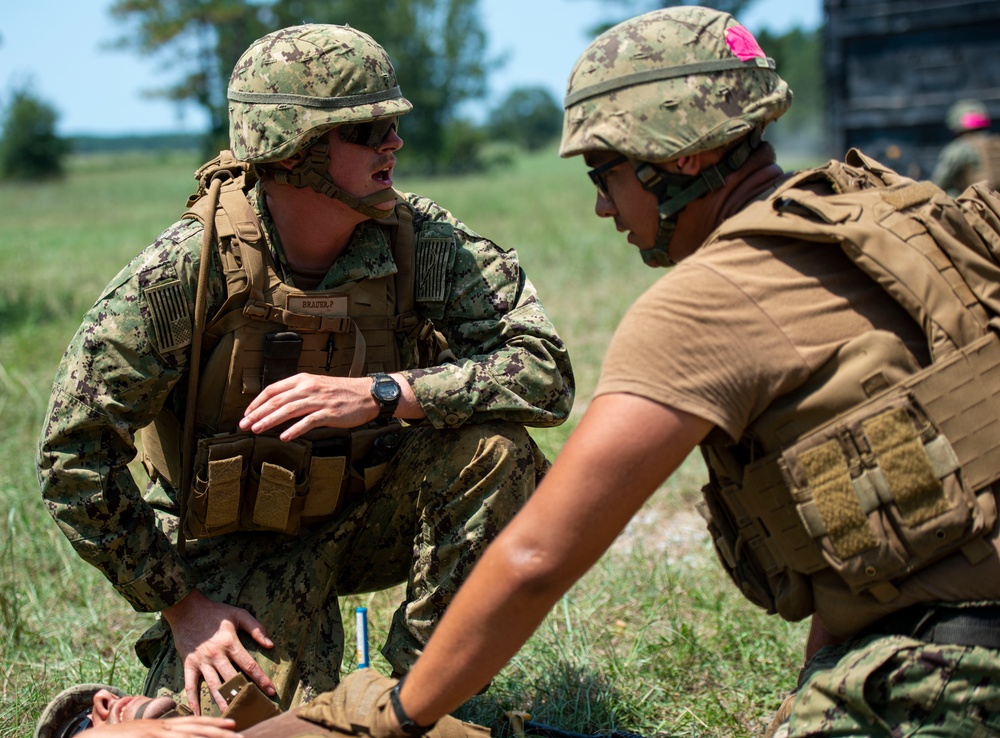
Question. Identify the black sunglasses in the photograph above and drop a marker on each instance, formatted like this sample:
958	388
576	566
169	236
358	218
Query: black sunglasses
597	174
371	134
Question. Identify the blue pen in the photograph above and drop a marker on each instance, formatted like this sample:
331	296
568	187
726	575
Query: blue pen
361	620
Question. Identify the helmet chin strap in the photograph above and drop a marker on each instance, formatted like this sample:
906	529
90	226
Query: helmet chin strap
674	192
311	171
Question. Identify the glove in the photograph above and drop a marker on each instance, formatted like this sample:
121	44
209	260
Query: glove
360	706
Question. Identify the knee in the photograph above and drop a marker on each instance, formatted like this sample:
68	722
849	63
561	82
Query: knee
502	445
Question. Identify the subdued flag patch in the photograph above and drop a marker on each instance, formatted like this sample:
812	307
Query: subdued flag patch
170	315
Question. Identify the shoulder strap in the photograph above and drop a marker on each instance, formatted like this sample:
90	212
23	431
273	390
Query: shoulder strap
403	249
221	206
908	236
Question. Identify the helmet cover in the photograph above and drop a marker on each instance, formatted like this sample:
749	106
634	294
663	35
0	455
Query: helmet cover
67	707
293	85
967	115
668	83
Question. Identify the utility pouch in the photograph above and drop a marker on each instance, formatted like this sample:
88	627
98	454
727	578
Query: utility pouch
358	458
219	479
882	491
331	453
244	482
248	705
281	356
277	485
746	572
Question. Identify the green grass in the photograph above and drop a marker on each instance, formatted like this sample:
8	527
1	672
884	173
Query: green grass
654	639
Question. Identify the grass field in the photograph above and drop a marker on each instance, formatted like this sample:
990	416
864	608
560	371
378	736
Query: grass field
653	640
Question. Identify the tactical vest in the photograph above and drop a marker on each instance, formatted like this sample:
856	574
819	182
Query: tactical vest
267	330
875	467
987	147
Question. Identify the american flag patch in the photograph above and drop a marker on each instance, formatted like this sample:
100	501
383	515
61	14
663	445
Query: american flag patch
433	254
170	314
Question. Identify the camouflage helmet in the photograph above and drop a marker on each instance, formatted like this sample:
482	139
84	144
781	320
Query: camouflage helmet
668	83
293	85
967	115
69	711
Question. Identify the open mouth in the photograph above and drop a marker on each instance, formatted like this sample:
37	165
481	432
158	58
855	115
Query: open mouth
384	175
118	711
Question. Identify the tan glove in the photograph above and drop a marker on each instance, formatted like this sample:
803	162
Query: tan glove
360	706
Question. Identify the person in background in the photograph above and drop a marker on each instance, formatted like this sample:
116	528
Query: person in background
973	155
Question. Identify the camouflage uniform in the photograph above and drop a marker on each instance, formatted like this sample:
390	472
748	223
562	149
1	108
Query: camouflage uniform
973	155
960	163
449	489
898	686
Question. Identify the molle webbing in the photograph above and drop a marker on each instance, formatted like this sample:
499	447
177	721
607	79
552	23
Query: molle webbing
874	468
240	481
880	491
903	253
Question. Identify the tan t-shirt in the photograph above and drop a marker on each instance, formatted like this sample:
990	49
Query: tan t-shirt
737	325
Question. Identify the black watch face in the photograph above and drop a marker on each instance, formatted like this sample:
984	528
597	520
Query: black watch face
387	391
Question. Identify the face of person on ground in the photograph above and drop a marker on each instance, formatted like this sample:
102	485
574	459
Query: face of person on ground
111	709
359	168
621	196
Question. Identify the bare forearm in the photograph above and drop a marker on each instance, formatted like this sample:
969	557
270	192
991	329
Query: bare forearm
487	623
533	562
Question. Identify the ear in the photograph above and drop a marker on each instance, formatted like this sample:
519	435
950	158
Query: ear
290	162
690	165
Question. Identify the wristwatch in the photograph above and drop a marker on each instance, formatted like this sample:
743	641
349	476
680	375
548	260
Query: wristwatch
386	392
408	724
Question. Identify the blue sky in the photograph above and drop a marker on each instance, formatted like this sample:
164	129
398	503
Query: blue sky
60	47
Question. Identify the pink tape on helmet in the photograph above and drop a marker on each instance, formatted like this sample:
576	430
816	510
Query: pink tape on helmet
975	120
743	44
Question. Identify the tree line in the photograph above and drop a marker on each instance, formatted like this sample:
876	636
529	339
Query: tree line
437	48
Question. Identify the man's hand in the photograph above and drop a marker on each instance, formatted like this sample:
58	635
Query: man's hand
316	401
206	636
322	402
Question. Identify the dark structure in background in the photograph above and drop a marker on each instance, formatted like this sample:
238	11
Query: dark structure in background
893	67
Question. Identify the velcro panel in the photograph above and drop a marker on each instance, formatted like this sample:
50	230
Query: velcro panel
223	492
904	463
326	477
907	196
274	497
837	504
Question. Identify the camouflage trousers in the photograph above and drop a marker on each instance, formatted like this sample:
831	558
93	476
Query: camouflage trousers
895	686
445	495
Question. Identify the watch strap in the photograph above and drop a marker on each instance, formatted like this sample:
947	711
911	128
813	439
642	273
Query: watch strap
386	409
408	724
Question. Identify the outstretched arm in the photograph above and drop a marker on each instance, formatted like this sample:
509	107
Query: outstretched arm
624	447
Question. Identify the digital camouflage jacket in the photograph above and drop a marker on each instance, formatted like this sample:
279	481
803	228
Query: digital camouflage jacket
113	380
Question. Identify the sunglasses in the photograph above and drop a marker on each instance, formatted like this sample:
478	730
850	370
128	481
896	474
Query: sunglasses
371	134
598	175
